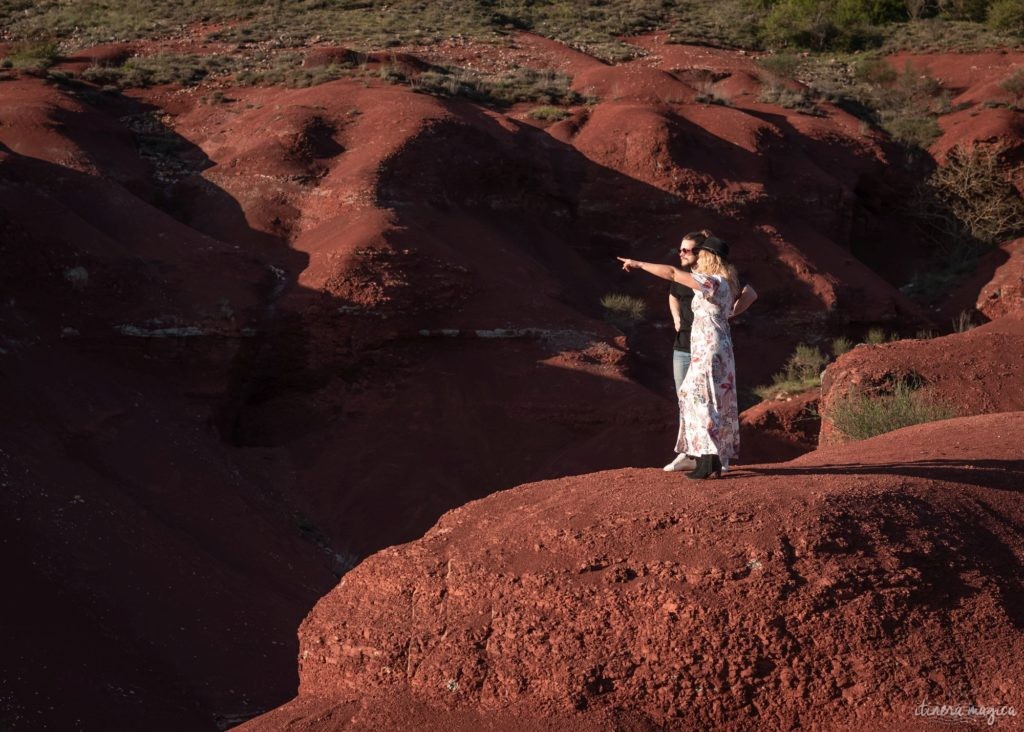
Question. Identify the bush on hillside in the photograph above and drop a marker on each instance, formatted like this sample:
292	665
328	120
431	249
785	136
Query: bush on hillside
971	199
548	113
823	24
801	372
623	311
1007	15
841	345
34	55
972	10
1014	84
861	415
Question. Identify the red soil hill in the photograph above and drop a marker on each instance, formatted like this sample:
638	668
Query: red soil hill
975	372
838	590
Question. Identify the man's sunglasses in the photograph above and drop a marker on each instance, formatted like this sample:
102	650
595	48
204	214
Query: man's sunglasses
691	250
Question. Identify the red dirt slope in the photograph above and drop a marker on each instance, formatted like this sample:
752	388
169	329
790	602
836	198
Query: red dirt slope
975	372
975	80
838	590
1004	293
775	430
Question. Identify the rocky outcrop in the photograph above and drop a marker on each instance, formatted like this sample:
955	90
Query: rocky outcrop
770	598
1004	293
780	429
974	372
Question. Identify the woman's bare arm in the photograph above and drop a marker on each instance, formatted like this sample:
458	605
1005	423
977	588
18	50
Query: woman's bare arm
744	301
664	271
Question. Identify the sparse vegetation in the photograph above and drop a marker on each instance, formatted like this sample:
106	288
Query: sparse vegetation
943	272
822	24
872	69
971	198
548	113
775	92
875	336
963	322
1014	84
861	415
34	55
142	71
286	69
801	372
965	207
908	107
707	94
596	28
520	85
1007	15
623	311
780	64
841	345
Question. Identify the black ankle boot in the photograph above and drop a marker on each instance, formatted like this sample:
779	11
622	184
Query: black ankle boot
708	466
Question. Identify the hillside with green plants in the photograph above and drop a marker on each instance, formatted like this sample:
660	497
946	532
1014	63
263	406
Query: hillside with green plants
815	25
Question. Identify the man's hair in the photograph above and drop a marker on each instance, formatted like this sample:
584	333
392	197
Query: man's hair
698	237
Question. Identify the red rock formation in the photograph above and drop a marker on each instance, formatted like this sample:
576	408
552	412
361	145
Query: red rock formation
1004	293
771	598
975	372
780	429
975	80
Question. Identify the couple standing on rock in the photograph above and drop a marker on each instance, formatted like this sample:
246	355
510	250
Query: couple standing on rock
704	294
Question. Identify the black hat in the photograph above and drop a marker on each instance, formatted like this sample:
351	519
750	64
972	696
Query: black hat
716	246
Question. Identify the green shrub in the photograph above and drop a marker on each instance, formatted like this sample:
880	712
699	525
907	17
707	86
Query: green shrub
824	24
780	94
520	85
913	130
905	104
801	372
33	55
875	336
623	311
841	345
972	10
1007	15
530	85
1014	84
874	70
548	113
143	71
780	64
862	415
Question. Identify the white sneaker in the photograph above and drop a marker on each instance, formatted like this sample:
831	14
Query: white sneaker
682	462
725	466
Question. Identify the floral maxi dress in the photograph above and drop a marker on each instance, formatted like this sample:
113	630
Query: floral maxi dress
709	416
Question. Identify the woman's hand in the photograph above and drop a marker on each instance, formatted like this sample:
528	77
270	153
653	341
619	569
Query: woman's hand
628	264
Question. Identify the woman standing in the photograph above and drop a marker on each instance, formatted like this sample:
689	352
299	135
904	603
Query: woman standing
707	399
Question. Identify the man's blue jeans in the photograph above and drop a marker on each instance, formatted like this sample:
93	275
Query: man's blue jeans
680	365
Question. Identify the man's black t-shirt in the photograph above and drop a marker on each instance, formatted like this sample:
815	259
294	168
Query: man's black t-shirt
685	295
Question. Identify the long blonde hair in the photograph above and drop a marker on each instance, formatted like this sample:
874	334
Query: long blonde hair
711	264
